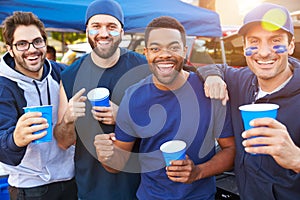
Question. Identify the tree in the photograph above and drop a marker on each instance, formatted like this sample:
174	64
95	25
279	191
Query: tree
69	38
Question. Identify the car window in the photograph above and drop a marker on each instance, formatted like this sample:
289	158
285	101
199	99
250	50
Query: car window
209	51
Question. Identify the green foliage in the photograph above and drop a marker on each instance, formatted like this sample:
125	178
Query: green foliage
69	38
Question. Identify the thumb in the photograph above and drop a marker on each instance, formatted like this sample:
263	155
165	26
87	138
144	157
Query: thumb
112	136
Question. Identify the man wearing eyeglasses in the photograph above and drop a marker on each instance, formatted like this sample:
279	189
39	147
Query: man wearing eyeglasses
36	171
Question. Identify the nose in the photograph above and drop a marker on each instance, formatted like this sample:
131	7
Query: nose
103	32
165	53
265	49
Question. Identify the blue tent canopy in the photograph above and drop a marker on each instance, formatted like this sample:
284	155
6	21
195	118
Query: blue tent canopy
69	15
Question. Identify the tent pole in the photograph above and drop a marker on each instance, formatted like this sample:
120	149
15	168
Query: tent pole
63	43
223	51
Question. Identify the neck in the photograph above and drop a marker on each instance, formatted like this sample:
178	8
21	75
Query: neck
106	62
178	82
269	85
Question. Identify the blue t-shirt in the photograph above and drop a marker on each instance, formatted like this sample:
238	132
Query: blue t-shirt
93	181
157	116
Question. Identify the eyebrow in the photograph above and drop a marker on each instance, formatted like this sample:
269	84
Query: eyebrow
106	24
278	35
155	43
28	41
273	36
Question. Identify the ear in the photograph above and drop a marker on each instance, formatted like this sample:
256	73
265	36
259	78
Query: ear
86	32
185	50
291	46
10	51
146	52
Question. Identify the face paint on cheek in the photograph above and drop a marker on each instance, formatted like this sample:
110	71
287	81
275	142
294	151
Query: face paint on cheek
280	48
114	33
250	51
93	32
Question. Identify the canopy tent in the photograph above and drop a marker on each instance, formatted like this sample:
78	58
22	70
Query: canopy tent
68	15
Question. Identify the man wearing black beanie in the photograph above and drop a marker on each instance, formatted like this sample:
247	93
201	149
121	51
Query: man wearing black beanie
107	66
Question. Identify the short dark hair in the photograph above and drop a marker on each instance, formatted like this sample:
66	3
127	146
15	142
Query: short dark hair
165	22
18	18
52	51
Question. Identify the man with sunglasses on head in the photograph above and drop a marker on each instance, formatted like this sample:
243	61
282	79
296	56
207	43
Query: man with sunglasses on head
109	66
36	170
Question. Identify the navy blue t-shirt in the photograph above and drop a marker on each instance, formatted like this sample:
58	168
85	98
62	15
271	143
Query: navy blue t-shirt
158	116
94	182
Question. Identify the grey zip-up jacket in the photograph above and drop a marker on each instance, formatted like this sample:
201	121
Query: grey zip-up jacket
35	164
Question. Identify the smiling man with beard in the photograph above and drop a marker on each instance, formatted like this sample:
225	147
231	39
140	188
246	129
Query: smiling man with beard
170	104
107	66
29	79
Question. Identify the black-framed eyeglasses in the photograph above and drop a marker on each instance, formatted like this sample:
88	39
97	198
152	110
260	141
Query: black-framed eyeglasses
24	45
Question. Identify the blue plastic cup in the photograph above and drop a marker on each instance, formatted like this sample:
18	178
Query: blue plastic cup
259	110
47	114
173	150
99	97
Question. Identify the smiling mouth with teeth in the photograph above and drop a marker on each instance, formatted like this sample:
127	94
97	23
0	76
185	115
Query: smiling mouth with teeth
269	62
165	67
101	42
32	59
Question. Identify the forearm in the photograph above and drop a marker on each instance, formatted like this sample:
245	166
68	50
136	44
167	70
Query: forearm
117	161
222	161
65	134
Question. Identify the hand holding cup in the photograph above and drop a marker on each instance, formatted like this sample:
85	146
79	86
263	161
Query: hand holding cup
173	150
255	111
47	114
99	97
103	110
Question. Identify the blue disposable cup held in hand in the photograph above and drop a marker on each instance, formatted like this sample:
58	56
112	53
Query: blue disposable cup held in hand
173	150
99	97
47	114
259	110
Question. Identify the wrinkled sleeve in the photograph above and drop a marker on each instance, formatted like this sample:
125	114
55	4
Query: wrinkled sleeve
211	70
10	153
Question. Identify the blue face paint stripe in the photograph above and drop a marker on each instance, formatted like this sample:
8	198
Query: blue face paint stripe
112	33
93	32
250	51
280	48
